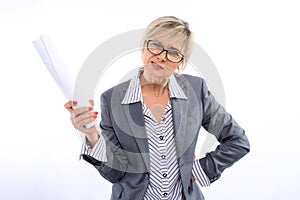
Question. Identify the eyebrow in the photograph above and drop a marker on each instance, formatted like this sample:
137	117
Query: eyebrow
160	43
174	48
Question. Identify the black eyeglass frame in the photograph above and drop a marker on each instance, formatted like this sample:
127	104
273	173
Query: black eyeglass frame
163	49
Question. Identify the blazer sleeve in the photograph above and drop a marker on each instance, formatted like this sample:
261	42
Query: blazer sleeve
233	141
115	167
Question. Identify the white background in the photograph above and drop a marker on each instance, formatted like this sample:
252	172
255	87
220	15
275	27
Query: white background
255	46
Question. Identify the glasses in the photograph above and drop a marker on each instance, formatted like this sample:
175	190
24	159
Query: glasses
156	48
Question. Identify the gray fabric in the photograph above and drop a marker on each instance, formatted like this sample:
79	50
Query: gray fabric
123	128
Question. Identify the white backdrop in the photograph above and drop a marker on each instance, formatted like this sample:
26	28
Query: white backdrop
255	46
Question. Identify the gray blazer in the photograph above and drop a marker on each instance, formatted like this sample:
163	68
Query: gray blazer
123	128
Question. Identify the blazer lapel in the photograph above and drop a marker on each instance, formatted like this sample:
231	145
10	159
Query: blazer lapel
179	107
134	125
139	131
185	118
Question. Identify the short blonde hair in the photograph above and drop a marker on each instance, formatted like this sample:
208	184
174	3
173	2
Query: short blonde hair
168	26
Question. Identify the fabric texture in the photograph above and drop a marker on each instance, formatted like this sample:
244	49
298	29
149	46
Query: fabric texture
127	147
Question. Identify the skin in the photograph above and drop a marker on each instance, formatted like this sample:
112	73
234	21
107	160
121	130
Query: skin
157	71
82	116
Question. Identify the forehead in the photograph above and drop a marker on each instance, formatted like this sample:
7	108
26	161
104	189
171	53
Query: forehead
170	39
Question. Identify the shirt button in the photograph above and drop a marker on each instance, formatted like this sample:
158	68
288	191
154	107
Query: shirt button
165	194
163	156
161	137
165	175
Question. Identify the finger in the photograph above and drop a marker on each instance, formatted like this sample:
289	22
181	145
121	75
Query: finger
91	102
193	177
81	124
69	105
79	111
85	116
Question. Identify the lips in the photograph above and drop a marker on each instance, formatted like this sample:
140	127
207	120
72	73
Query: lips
156	66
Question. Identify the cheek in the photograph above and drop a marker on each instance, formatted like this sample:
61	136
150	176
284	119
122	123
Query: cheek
146	57
174	66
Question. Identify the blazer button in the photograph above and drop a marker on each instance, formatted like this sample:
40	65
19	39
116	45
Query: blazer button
214	178
147	176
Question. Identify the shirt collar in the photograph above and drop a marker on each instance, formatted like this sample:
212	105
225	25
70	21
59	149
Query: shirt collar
134	93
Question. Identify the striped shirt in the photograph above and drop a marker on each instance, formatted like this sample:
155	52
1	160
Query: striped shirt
164	181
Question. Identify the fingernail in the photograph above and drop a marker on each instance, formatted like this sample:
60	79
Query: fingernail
74	102
90	108
96	113
95	117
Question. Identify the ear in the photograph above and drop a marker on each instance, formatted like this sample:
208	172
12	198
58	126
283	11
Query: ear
179	69
142	52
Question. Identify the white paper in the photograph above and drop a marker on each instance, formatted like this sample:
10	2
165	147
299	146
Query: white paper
59	71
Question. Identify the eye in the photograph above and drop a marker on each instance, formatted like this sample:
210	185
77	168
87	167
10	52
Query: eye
156	44
174	52
155	47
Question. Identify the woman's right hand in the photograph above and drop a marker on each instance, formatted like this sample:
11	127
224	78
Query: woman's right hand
82	116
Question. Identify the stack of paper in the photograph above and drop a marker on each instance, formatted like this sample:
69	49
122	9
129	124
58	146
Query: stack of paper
55	65
59	71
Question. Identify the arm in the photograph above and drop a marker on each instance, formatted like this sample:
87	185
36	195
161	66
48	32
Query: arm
94	144
97	151
199	175
233	141
114	169
101	147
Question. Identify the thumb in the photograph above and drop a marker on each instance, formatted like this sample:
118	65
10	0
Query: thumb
91	102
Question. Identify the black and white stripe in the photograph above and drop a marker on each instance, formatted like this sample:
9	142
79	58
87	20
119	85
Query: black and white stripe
163	158
165	182
98	151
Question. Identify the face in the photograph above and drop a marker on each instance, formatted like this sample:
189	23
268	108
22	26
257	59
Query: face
159	65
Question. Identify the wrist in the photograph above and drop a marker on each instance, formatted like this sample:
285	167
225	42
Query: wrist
93	138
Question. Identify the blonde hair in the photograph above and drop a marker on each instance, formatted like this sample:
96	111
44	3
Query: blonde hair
168	26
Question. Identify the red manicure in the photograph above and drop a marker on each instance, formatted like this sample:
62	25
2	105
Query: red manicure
96	113
90	108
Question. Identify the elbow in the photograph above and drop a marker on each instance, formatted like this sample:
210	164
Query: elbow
245	150
244	146
240	145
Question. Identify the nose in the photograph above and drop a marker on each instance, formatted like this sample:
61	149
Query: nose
162	56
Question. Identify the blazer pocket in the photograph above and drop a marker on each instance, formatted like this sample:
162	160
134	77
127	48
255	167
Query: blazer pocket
194	191
117	190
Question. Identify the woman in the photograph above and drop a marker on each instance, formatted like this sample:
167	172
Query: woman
149	125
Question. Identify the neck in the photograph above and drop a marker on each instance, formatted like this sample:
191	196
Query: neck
157	87
148	79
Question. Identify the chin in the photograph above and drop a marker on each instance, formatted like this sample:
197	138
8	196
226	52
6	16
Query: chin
157	77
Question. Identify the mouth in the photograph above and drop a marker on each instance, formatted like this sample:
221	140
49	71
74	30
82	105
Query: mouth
156	66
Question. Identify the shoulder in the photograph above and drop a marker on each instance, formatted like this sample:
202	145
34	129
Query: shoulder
120	88
191	79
